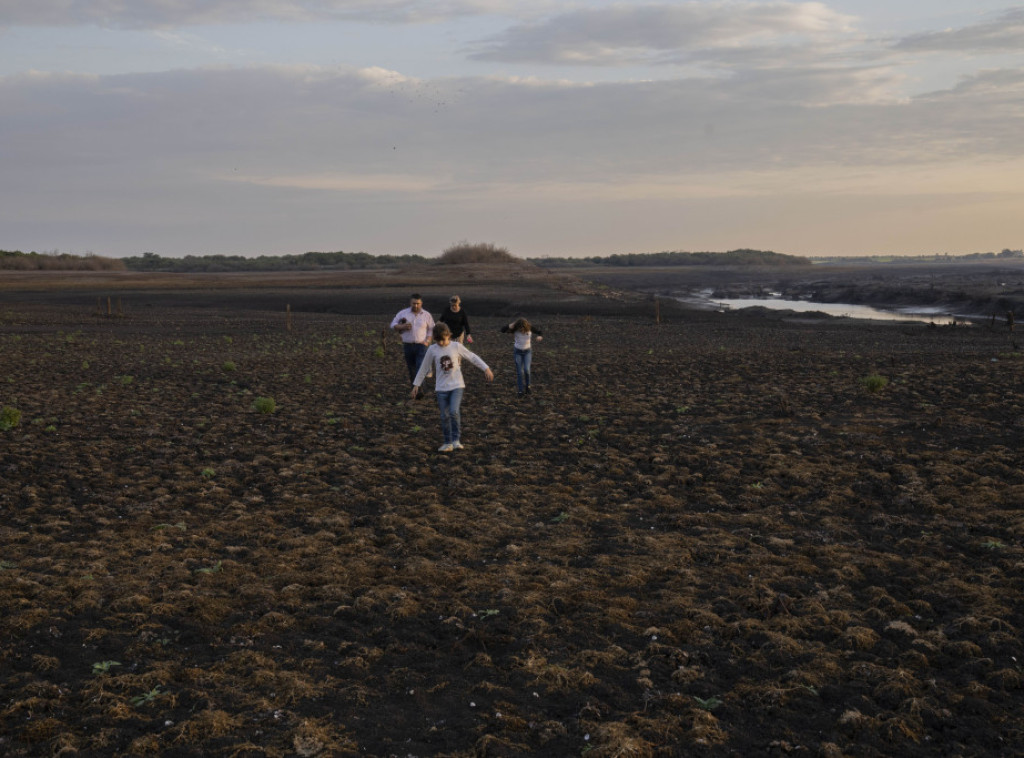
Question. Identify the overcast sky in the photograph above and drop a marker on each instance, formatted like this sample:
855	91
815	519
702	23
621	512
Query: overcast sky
551	128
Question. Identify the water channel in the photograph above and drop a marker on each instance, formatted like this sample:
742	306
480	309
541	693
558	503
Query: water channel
847	310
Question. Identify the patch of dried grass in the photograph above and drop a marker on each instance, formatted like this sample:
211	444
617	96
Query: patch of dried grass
860	638
205	725
316	737
618	740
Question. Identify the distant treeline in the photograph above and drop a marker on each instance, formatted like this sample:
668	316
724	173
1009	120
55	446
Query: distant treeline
302	262
940	258
462	253
15	260
731	258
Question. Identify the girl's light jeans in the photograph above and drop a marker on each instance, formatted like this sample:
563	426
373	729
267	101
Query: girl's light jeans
449	404
523	358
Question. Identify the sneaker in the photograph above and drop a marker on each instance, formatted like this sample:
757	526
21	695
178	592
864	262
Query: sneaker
526	391
457	445
446	448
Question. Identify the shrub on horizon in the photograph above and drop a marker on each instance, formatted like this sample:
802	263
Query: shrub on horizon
476	252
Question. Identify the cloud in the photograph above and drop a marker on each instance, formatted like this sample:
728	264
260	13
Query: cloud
164	14
302	157
663	33
1002	34
379	131
342	182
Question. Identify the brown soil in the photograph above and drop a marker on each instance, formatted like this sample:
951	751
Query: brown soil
699	537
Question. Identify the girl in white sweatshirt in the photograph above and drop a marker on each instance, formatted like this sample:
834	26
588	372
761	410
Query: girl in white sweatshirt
445	357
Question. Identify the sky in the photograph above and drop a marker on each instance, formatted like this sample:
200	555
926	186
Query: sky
579	128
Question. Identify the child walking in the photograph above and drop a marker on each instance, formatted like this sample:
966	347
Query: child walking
523	351
445	356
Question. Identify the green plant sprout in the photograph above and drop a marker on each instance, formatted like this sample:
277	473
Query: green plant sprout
147	697
180	526
103	667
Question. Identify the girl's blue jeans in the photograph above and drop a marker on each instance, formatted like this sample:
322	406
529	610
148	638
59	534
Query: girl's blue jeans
449	404
522	368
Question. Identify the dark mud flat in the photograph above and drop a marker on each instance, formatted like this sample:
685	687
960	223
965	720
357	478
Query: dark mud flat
975	290
704	537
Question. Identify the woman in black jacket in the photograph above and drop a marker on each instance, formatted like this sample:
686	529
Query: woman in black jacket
457	320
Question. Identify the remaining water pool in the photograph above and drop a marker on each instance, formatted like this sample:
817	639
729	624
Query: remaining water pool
837	309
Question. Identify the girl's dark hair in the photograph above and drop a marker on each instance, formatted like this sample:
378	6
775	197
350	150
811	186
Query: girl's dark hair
521	325
441	331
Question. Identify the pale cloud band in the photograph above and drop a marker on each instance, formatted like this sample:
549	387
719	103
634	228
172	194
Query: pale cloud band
1003	34
659	33
308	121
162	14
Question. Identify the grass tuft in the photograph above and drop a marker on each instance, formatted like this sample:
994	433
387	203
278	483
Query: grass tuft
10	417
874	382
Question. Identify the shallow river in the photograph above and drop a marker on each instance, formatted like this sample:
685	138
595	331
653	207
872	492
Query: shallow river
836	309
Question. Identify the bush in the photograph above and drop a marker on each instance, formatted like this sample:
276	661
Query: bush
481	252
9	418
228	366
874	383
265	405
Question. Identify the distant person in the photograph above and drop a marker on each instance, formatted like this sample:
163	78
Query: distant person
523	332
413	324
457	320
446	355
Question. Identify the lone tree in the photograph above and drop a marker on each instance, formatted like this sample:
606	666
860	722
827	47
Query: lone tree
477	252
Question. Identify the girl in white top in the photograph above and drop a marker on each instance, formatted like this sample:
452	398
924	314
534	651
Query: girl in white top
523	332
445	356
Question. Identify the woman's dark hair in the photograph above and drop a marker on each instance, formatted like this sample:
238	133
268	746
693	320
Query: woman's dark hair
441	331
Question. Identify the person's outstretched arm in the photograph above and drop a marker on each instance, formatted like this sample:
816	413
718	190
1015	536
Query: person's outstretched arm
477	361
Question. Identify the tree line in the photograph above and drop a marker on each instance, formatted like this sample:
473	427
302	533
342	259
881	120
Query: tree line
311	261
460	253
743	257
